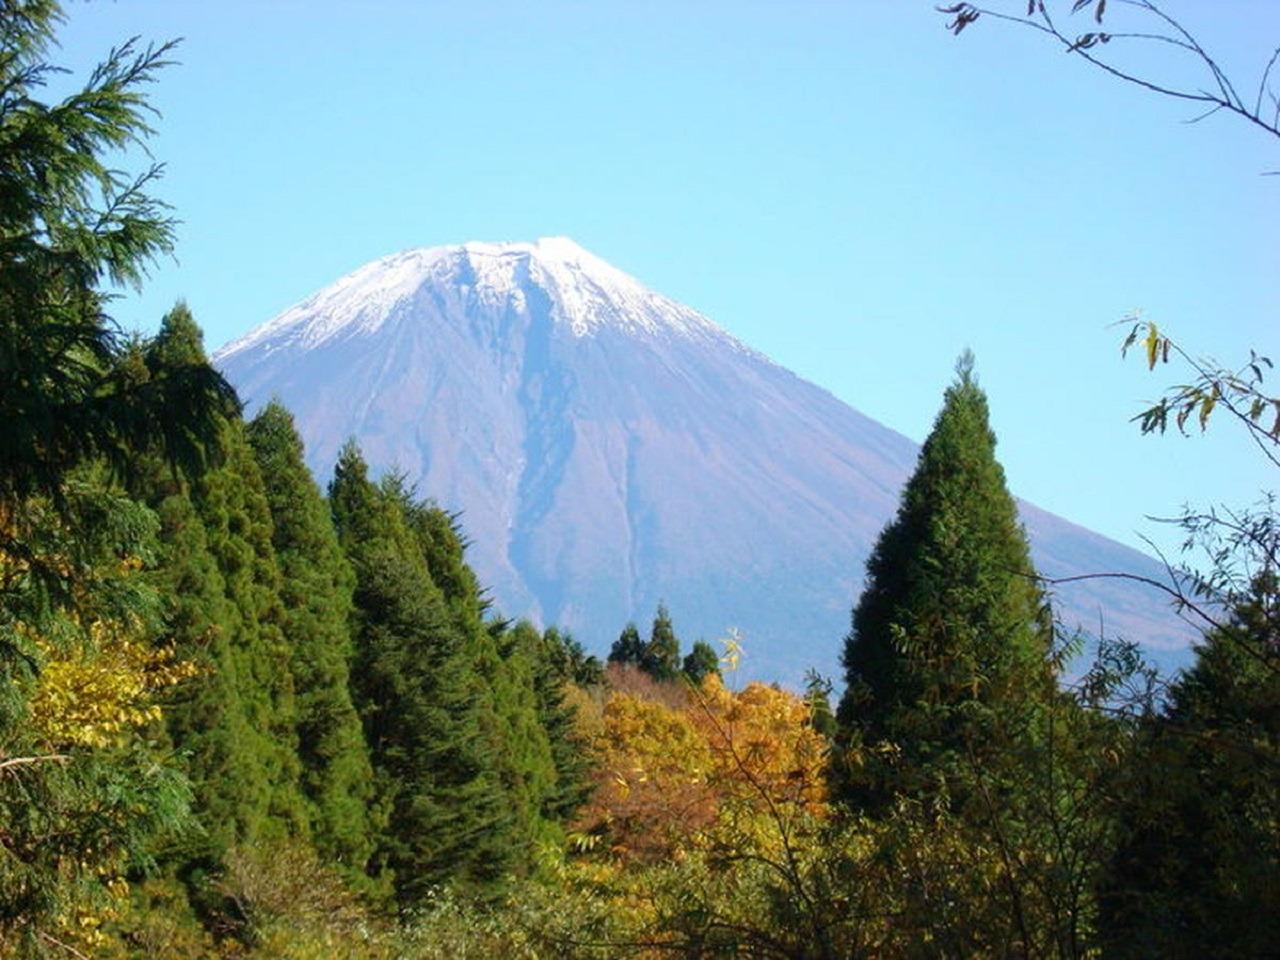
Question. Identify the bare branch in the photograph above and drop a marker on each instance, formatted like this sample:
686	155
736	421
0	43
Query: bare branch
28	761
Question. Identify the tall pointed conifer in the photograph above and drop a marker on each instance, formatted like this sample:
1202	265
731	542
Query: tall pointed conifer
236	725
315	593
414	687
952	624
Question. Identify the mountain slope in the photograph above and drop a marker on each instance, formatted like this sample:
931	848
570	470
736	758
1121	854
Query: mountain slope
609	448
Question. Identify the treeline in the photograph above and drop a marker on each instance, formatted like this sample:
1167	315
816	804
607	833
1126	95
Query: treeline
242	716
322	674
353	691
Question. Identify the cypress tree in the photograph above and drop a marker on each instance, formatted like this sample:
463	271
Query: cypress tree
502	670
559	661
417	694
316	589
952	623
237	724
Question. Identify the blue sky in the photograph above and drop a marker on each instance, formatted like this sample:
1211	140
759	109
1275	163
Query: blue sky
844	186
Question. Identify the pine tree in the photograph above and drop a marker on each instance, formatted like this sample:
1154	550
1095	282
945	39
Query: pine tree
315	593
558	662
952	624
419	699
701	662
72	390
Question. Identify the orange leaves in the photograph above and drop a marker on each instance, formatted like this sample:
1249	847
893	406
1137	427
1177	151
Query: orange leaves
653	787
766	752
675	776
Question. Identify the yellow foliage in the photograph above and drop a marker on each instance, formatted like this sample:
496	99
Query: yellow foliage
98	693
652	783
674	778
765	751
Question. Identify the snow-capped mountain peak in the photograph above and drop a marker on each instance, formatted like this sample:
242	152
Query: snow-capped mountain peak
577	289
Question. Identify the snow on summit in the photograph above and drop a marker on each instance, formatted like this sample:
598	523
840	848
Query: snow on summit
584	293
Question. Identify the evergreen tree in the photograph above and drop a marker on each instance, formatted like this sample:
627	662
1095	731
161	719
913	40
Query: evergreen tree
817	694
662	655
952	625
628	648
414	685
701	662
1197	871
72	390
237	725
315	593
559	662
502	678
568	659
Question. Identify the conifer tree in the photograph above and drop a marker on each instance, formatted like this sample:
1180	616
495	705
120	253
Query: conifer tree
237	724
315	594
662	656
571	661
1197	870
701	662
952	625
502	673
415	688
559	661
628	648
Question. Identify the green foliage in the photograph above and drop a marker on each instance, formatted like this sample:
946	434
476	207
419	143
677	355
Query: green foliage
817	693
628	648
558	661
661	658
74	395
420	700
316	586
71	390
1198	870
238	726
700	663
952	624
83	796
567	658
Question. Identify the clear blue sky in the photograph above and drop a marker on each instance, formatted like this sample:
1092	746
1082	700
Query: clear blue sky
845	186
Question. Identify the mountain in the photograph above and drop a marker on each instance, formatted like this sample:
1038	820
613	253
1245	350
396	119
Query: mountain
609	448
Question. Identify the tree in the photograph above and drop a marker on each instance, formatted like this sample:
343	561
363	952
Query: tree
628	648
71	388
85	795
218	569
316	587
700	663
570	661
661	658
1197	871
75	395
414	685
952	624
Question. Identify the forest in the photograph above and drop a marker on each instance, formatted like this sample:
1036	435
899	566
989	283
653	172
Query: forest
244	714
